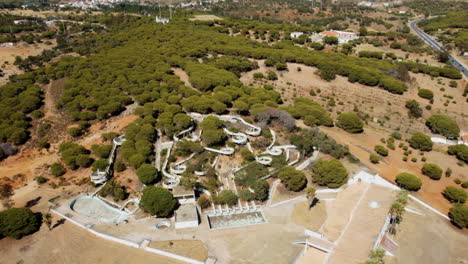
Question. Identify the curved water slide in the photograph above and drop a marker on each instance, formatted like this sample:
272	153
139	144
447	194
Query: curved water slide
298	154
100	177
254	131
178	167
189	134
224	151
237	138
118	141
135	201
264	160
173	180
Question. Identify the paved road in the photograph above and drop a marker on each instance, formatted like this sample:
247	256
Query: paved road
431	42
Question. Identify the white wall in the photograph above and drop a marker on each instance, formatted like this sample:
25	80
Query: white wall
187	224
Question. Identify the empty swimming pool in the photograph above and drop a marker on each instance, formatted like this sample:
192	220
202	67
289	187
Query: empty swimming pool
96	208
236	220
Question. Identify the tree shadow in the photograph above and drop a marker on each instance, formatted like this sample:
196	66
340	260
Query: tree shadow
58	223
33	202
314	202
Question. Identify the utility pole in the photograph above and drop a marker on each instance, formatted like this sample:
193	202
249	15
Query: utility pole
159	4
170	10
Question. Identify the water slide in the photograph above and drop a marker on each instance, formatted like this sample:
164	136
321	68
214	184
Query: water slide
254	131
237	138
100	177
178	167
224	151
173	180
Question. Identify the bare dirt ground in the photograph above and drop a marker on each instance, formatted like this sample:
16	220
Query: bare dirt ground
282	194
389	167
339	211
429	239
65	243
22	49
194	249
358	237
312	256
312	218
205	18
388	109
399	53
70	244
183	76
40	14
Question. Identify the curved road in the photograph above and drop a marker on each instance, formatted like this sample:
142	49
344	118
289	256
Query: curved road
431	42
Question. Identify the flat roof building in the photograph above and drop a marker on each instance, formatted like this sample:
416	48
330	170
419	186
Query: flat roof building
186	216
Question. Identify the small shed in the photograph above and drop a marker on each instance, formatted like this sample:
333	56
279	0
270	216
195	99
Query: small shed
296	34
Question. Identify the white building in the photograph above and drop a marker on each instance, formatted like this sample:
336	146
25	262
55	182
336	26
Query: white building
21	21
162	20
186	216
296	34
342	36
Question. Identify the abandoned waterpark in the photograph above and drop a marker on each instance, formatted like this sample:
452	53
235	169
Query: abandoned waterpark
250	198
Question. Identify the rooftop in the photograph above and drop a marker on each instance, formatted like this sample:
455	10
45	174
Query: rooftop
181	191
185	213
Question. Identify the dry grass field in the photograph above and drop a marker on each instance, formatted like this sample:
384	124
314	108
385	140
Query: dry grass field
429	238
387	114
194	249
21	49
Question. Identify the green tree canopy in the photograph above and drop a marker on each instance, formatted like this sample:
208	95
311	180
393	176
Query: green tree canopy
455	195
157	201
458	214
18	222
408	181
57	169
434	171
330	173
350	122
227	197
147	174
444	125
293	179
460	151
426	94
421	141
381	150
